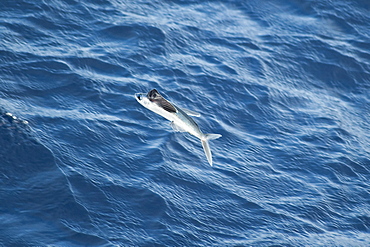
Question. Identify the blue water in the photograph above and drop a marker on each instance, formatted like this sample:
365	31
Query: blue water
285	82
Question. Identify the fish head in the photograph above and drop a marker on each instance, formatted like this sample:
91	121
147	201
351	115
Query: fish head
150	99
142	99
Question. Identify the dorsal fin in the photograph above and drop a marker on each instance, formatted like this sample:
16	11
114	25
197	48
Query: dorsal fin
155	97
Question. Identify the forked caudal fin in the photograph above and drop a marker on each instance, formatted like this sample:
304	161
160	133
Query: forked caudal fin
205	144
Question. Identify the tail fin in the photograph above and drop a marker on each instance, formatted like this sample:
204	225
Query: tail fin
206	148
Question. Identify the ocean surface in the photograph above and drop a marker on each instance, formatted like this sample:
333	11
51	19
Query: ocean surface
286	83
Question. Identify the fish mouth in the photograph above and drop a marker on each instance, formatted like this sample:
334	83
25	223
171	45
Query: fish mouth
139	96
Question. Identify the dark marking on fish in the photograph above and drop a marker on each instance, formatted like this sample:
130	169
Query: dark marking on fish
155	97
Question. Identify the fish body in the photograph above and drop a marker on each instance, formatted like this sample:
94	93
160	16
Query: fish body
180	118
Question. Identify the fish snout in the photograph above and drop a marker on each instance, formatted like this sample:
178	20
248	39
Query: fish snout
139	96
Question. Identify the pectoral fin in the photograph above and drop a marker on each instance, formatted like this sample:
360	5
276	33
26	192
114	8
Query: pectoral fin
165	104
155	97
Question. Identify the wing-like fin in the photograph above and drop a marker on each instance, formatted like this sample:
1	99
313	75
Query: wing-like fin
166	105
191	113
206	147
155	97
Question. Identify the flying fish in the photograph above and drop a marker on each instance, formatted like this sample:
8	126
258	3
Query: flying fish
179	117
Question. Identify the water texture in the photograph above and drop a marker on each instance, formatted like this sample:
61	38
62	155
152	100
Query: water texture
285	82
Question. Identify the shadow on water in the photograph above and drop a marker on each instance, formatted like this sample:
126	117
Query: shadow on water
36	204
